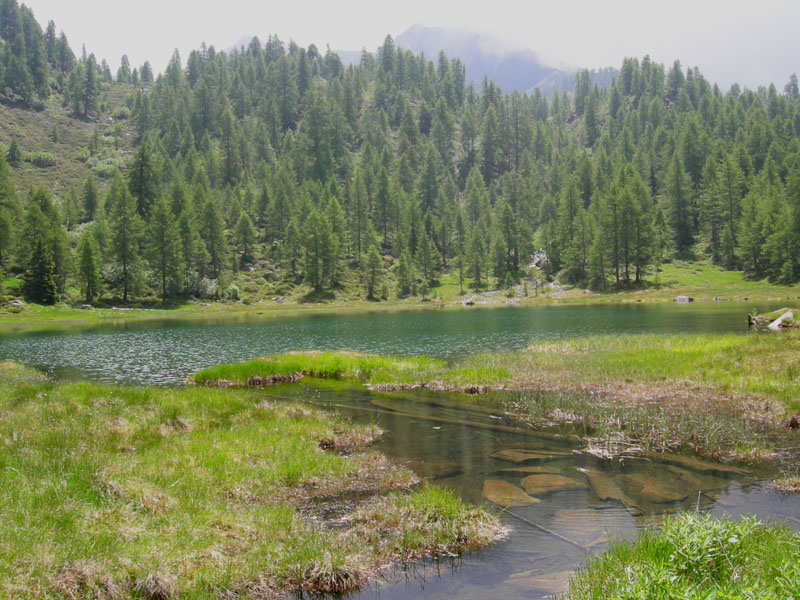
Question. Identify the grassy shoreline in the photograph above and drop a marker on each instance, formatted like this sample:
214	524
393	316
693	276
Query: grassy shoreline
700	281
116	492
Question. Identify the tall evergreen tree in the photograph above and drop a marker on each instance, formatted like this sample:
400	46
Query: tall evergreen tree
143	180
89	266
40	285
126	231
164	249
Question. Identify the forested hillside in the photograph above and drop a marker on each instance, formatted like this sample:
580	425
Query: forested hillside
277	170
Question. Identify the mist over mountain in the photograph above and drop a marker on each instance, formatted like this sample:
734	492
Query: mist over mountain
486	56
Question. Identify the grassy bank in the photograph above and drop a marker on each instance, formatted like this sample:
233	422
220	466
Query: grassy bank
720	395
702	281
694	556
760	368
114	492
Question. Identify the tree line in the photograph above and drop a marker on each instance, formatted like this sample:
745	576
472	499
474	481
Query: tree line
279	162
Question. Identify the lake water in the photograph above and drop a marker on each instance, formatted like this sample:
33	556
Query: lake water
165	352
471	449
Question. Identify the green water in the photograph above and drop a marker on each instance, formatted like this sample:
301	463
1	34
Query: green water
164	353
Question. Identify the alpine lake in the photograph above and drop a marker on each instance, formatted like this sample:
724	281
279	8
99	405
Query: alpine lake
561	502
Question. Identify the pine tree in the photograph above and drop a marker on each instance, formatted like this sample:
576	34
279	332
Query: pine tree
212	231
490	146
678	195
245	235
91	87
13	154
143	180
89	266
40	286
292	248
91	197
405	275
476	258
359	212
9	211
126	232
374	272
319	249
164	249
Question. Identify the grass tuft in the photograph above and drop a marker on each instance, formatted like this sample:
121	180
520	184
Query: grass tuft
156	586
86	580
696	556
787	483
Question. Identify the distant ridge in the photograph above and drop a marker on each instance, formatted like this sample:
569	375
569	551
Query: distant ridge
481	54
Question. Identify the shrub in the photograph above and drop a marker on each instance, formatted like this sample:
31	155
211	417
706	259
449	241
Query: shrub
42	160
122	113
232	292
201	287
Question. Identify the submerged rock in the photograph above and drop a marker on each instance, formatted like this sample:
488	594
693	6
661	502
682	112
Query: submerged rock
588	523
545	482
701	483
518	456
653	489
505	494
533	469
693	462
431	470
548	583
606	488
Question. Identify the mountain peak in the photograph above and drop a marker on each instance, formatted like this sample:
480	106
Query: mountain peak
510	67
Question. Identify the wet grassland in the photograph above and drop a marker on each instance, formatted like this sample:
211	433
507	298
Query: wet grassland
689	415
130	492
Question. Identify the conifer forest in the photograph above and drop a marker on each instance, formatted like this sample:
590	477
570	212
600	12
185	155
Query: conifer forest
277	167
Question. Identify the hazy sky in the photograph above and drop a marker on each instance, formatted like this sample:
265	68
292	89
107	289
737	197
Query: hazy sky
752	43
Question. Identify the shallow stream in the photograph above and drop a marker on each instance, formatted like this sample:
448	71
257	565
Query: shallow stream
575	503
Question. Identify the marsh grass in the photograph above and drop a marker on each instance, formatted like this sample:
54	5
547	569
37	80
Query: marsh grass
763	366
616	425
718	395
114	492
326	365
788	483
696	556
